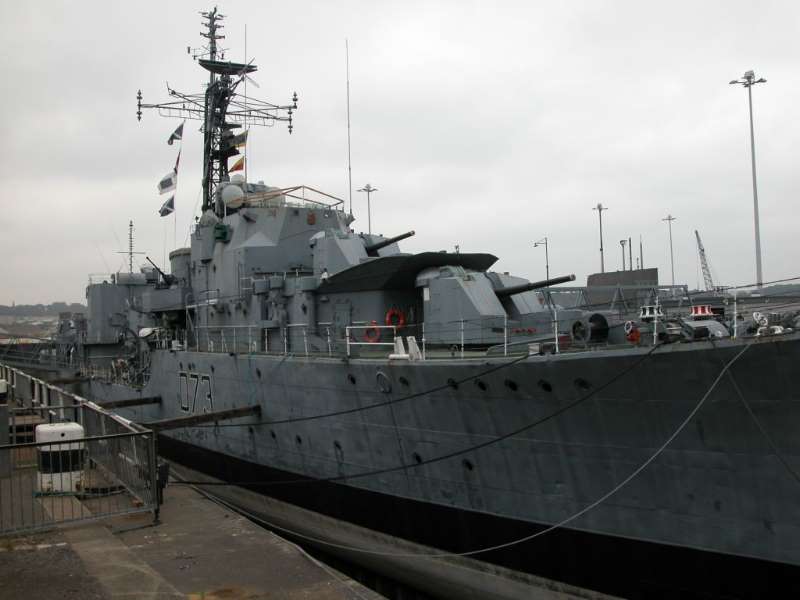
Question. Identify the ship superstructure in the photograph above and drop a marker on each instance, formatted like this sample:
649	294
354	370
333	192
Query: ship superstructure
430	400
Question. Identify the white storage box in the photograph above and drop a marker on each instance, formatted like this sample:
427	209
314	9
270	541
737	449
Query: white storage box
61	462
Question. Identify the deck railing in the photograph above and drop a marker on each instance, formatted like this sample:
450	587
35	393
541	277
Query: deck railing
107	468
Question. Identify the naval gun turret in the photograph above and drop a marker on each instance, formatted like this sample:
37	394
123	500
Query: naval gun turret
534	285
167	279
372	249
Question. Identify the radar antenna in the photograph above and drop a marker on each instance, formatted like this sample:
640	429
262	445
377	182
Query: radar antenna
220	108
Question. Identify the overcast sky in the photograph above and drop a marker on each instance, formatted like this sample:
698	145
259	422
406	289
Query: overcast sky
488	125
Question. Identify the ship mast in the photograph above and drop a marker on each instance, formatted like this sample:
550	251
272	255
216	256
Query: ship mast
129	252
212	169
220	108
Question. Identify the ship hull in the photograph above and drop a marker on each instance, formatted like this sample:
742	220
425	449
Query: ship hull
715	512
620	567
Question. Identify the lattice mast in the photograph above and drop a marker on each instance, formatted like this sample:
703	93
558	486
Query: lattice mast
213	167
129	252
220	108
709	282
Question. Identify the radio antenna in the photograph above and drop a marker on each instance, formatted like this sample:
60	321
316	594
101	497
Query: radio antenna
221	109
130	251
349	165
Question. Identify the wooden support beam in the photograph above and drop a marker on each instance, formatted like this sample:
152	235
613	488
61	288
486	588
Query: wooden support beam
219	415
131	402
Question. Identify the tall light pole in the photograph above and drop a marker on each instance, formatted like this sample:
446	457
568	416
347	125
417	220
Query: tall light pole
600	208
369	189
669	219
748	81
622	243
543	242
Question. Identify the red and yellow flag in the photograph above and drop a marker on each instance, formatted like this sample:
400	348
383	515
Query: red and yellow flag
237	166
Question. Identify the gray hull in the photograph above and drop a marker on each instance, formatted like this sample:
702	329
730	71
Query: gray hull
718	487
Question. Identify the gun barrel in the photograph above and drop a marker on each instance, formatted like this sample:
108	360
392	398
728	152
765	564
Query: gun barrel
388	241
164	276
534	285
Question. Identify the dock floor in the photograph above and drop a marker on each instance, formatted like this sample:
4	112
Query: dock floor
200	551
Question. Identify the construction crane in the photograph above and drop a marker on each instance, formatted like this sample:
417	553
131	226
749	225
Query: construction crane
704	263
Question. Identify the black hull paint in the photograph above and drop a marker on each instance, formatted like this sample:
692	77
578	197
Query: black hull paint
613	565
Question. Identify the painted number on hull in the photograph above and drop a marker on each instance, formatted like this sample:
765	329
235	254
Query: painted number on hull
193	387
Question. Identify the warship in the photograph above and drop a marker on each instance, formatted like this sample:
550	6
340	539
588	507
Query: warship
432	419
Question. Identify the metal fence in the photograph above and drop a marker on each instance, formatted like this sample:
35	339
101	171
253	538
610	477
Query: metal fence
89	463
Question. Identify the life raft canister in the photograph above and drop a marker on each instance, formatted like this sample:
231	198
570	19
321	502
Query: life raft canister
395	318
372	334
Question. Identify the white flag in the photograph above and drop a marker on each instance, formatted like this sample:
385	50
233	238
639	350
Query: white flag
168	183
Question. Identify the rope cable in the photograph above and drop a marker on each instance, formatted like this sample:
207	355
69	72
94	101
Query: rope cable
454	453
520	540
778	454
375	405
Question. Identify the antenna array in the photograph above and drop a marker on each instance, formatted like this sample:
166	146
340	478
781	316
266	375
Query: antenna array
220	108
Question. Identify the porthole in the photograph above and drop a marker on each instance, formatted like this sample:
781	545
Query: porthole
452	383
512	385
481	384
467	464
272	434
404	381
545	385
384	385
251	429
180	365
212	368
582	384
298	440
337	445
351	378
258	373
417	458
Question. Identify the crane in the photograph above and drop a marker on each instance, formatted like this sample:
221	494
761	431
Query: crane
704	263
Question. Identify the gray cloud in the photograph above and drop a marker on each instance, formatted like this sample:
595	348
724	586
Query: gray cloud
484	125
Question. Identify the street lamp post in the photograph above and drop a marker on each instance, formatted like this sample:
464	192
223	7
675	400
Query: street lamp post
600	208
543	242
748	80
622	243
669	219
369	189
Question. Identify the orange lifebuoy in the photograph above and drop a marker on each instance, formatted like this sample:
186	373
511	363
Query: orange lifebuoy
395	317
633	335
372	334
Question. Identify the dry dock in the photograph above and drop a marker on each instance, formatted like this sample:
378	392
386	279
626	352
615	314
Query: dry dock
200	551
